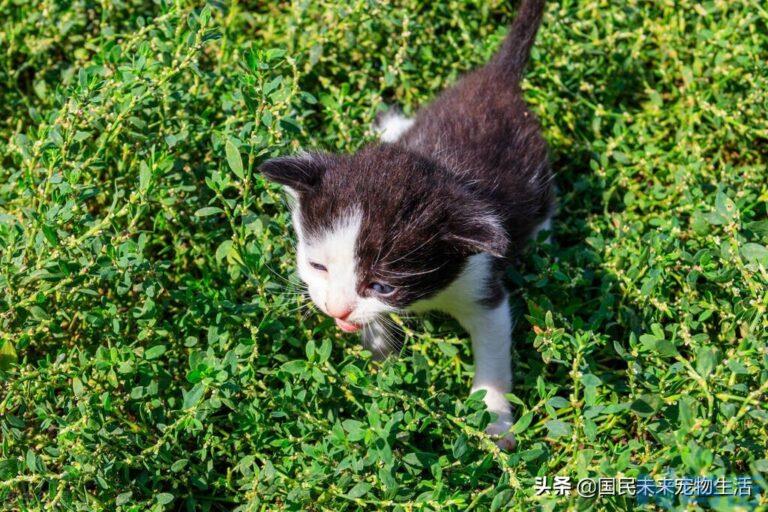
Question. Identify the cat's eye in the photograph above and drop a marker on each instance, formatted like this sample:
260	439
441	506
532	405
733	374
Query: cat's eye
318	266
381	288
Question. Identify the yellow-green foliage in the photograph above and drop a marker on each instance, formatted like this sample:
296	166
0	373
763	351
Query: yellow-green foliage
154	356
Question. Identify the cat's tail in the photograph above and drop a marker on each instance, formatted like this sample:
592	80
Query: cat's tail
515	49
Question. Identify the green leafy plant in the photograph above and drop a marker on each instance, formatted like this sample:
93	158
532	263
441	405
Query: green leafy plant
155	353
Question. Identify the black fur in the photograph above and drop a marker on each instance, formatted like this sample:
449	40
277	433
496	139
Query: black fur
471	175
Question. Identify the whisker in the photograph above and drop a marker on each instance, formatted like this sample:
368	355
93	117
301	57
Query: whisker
410	274
295	309
278	289
389	327
277	274
428	240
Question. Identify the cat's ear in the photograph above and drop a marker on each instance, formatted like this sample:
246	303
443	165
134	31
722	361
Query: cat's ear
301	173
473	228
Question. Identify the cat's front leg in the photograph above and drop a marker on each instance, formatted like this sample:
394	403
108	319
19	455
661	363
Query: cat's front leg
490	326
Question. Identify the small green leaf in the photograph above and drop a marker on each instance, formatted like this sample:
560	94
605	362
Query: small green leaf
310	350
359	490
590	380
8	355
355	429
666	348
714	218
207	211
685	413
558	402
164	498
644	407
557	428
500	500
223	250
724	206
144	176
459	446
274	53
154	352
760	227
324	352
32	461
38	313
193	396
80	136
179	465
706	359
123	498
295	367
77	386
233	159
51	235
447	349
522	424
755	253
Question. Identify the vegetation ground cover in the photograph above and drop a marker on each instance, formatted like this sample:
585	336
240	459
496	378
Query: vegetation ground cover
154	354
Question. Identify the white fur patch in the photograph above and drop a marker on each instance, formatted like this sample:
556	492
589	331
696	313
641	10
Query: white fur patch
379	339
491	333
546	225
335	290
490	329
392	126
461	296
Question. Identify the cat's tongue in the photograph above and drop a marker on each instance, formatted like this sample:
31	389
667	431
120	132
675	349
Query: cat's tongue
347	326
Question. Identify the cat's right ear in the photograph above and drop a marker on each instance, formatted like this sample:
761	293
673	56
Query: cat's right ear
300	174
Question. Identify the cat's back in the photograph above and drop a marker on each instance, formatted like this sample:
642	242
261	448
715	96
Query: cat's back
481	130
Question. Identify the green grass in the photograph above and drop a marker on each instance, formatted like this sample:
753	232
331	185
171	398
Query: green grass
152	358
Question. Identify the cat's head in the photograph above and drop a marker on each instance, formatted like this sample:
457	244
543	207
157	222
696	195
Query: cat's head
380	229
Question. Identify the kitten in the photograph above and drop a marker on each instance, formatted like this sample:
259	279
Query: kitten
426	219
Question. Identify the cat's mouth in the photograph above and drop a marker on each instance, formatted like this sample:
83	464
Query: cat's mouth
348	326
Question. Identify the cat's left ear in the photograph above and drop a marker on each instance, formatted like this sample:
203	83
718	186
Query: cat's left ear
300	174
474	229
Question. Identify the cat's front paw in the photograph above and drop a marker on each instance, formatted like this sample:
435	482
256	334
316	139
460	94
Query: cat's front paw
501	432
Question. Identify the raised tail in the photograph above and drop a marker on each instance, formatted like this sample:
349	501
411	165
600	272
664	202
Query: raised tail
514	52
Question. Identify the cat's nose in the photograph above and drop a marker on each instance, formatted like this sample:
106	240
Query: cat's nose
340	312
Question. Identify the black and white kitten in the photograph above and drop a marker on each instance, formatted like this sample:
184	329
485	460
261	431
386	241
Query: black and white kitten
426	219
